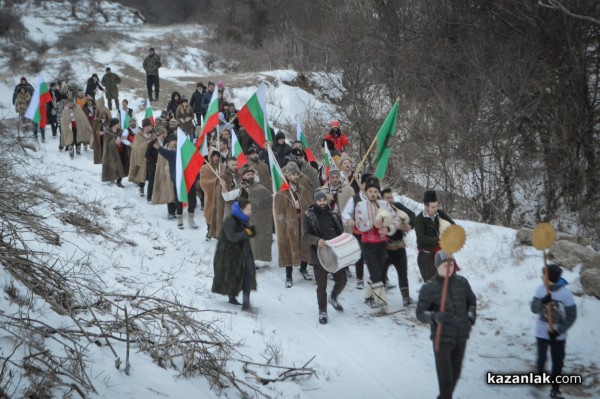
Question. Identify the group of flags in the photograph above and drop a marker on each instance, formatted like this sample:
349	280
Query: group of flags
253	116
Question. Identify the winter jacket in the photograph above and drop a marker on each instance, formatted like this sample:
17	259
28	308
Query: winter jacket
320	224
173	104
196	101
340	143
28	88
22	102
428	230
232	255
92	86
564	309
287	225
343	193
205	101
151	153
151	64
282	153
222	208
110	81
185	118
461	307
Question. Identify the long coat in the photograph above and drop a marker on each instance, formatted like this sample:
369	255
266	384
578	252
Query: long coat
112	166
264	175
84	130
232	255
262	217
221	208
288	227
208	182
311	173
185	117
98	140
344	193
163	192
22	102
137	161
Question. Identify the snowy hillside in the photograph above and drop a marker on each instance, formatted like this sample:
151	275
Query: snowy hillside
137	252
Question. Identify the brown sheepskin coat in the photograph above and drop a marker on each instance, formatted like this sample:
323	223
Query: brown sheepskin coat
208	182
84	130
221	208
137	161
163	192
112	166
288	226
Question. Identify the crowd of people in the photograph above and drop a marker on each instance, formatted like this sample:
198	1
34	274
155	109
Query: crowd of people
243	213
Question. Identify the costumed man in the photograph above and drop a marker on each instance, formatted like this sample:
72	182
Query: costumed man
112	166
564	314
456	321
340	140
263	175
312	176
319	225
151	156
262	213
396	247
75	128
226	192
162	192
348	217
338	192
209	175
289	206
233	262
138	166
185	116
429	226
376	220
348	176
100	124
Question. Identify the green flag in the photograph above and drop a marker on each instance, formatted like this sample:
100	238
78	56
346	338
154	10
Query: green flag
386	132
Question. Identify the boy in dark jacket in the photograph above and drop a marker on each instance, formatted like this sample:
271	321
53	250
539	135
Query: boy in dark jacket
456	321
564	313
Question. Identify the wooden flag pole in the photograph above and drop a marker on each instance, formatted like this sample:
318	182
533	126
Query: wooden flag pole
542	238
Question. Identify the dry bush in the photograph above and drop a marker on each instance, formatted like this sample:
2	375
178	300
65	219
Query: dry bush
82	37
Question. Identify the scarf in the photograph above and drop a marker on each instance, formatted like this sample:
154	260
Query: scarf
238	214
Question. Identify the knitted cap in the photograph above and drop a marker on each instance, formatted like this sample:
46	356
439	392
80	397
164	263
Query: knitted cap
441	257
319	195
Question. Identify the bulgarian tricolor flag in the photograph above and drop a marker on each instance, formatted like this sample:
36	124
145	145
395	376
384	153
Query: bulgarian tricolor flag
237	151
279	182
125	119
187	166
253	116
212	114
329	162
385	134
310	157
149	114
36	111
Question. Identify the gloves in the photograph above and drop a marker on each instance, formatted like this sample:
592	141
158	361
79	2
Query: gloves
251	231
546	300
441	317
553	335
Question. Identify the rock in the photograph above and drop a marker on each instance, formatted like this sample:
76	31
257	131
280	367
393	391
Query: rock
568	254
590	281
524	237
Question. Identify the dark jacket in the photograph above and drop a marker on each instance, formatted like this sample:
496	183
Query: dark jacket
460	302
232	255
196	101
205	101
28	88
428	230
151	154
90	88
282	153
173	104
151	64
399	234
314	228
170	156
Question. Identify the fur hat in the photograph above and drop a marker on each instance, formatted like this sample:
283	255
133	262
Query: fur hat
430	196
160	130
247	169
114	121
252	149
319	195
212	151
372	182
334	171
364	177
184	99
279	135
211	83
554	272
290	168
441	257
146	122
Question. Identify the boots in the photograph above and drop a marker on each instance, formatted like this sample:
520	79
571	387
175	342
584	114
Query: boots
246	302
180	222
405	296
207	232
191	221
369	300
141	188
380	295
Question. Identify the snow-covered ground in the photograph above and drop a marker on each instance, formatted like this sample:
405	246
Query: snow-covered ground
356	355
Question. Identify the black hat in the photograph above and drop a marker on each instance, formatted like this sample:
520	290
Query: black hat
151	49
247	169
211	83
298	152
184	100
170	137
114	121
279	135
430	196
107	69
364	177
372	182
319	195
554	272
252	149
386	190
146	122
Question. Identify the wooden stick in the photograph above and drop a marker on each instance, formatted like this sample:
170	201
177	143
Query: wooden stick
360	165
547	284
438	333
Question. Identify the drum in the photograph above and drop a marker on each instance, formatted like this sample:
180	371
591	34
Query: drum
339	252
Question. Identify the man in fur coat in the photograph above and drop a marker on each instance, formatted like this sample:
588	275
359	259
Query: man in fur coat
262	214
209	176
75	128
289	206
112	166
263	175
137	164
227	191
